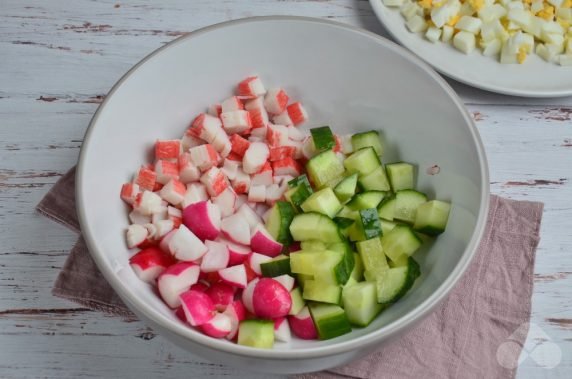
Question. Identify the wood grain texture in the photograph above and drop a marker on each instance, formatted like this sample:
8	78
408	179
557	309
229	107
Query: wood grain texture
59	59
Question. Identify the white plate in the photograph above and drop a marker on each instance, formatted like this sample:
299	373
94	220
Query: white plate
534	78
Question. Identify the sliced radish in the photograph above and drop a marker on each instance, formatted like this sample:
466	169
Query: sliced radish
173	192
282	119
145	179
200	286
230	168
204	156
218	327
234	276
198	307
187	171
136	217
275	100
346	142
255	157
236	228
204	219
195	193
180	314
237	313
175	280
226	201
221	295
216	257
254	261
215	181
241	183
149	263
282	330
251	217
295	134
237	252
247	294
136	235
286	280
302	325
163	227
257	193
270	299
231	104
251	87
164	244
297	113
186	246
237	121
262	242
129	192
147	203
151	231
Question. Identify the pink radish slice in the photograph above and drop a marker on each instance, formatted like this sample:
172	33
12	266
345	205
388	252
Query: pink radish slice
234	276
237	253
216	257
180	313
176	280
221	294
149	263
255	260
247	295
186	246
294	246
203	219
286	280
163	227
270	299
262	242
218	327
302	325
137	234
198	306
200	286
164	244
282	330
236	228
255	157
261	209
226	202
237	313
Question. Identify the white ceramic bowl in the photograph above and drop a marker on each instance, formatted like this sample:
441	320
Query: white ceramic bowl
348	78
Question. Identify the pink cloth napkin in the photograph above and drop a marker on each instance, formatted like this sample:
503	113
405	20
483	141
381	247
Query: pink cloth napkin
461	339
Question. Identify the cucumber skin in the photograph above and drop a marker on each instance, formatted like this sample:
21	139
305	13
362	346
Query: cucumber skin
286	214
343	324
323	138
370	221
413	272
275	268
334	168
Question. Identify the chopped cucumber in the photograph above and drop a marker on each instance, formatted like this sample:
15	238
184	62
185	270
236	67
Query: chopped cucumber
362	161
346	212
302	179
278	224
301	279
323	138
343	222
395	282
317	290
401	240
370	223
256	333
299	194
330	320
357	272
279	265
324	167
360	303
432	217
364	200
386	226
406	203
372	256
401	175
312	225
297	301
312	245
386	209
343	271
355	231
324	201
365	139
326	266
375	180
346	188
400	262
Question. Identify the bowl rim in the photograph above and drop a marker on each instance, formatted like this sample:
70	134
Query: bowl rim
359	343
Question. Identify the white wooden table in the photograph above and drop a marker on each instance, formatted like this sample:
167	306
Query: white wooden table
58	59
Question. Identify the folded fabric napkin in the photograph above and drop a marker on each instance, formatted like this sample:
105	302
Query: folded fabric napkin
461	338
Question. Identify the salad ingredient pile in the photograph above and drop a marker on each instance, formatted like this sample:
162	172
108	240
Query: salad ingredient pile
253	230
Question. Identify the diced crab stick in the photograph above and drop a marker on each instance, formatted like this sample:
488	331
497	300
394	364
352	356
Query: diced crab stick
241	183
338	146
346	142
226	202
255	157
195	192
236	121
257	103
259	132
273	193
261	209
147	203
167	149
287	166
189	141
175	215
295	134
166	170
204	156
216	257
236	229
186	246
204	126
262	177
297	113
237	313
175	280
198	307
150	262
221	294
270	299
275	100
163	227
277	135
263	243
234	276
257	194
230	168
151	231
135	217
239	144
129	192
204	219
251	217
215	181
234	157
217	327
187	171
232	104
146	179
297	146
159	215
281	152
251	87
282	119
282	330
258	117
215	110
173	192
136	235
